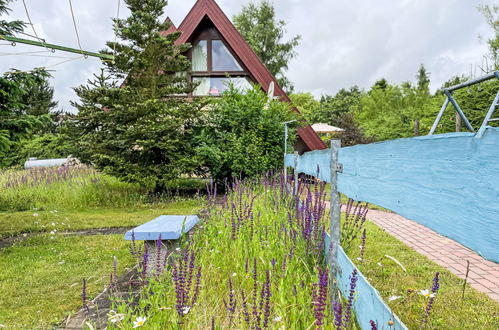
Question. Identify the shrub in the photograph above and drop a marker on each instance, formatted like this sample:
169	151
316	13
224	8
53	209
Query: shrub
244	134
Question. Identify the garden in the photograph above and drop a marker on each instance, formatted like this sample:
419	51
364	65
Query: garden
142	144
256	260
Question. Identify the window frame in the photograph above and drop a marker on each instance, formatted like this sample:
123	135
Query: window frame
209	34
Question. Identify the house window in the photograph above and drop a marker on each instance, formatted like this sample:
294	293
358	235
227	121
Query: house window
200	56
214	67
222	58
214	86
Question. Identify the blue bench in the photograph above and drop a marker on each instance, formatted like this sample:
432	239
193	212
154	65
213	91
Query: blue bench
170	227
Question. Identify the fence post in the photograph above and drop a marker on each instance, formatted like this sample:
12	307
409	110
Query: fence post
335	209
295	189
285	150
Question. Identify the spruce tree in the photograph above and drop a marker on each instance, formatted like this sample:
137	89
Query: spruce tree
131	121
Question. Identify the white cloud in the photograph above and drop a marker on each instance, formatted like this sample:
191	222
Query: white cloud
344	42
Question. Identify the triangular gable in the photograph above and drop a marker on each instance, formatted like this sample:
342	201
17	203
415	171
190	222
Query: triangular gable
245	54
171	29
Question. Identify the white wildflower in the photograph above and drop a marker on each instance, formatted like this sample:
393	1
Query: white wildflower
426	293
139	321
186	310
392	298
35	214
234	274
277	319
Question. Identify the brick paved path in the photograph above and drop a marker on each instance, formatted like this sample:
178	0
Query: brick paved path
483	275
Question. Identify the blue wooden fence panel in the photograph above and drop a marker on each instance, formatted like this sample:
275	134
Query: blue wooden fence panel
368	304
447	182
310	161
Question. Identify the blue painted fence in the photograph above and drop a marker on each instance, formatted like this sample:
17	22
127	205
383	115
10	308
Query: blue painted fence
368	304
447	182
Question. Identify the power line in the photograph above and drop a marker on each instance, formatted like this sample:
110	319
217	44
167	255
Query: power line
74	25
33	27
34	55
69	60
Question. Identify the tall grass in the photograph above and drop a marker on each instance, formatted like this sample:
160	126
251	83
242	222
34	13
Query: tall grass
260	264
65	187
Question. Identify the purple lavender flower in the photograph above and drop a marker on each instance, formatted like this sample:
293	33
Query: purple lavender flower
273	263
159	244
338	314
362	246
197	287
434	289
145	260
373	325
353	285
231	307
245	308
320	296
267	295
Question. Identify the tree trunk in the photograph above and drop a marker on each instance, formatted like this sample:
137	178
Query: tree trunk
416	127
458	122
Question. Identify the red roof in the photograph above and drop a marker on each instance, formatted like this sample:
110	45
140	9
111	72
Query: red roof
210	9
171	29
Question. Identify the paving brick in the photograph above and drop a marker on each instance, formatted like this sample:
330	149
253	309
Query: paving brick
483	276
481	288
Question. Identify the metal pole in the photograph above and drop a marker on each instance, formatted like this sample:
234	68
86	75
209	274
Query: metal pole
489	76
335	210
459	111
488	117
285	152
439	117
296	174
56	47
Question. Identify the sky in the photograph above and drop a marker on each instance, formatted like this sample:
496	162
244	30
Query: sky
344	42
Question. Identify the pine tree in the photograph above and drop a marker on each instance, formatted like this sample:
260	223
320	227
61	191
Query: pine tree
9	28
140	130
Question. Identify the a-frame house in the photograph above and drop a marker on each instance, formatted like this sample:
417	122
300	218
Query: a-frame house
220	53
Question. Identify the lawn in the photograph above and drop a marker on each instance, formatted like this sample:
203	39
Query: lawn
41	277
450	310
14	223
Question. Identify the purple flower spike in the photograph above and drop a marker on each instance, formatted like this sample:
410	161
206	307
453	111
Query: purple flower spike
231	307
267	295
362	246
373	325
353	285
338	314
320	296
159	244
145	261
434	290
